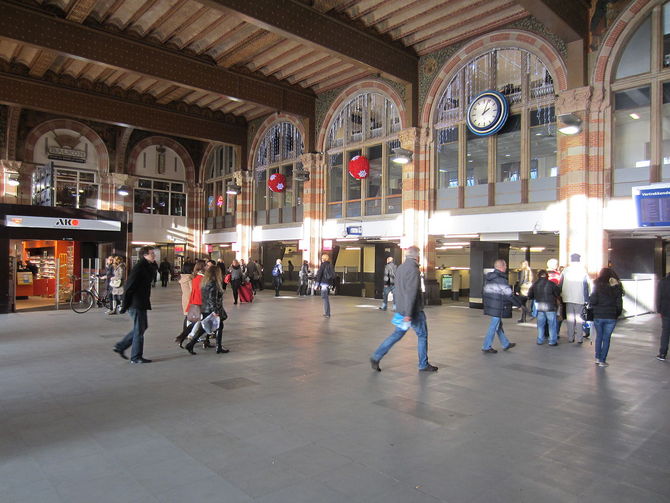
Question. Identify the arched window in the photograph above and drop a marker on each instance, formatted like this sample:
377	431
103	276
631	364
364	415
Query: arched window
366	125
278	152
524	148
220	206
160	186
640	87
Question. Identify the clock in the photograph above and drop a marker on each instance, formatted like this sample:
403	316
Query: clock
487	113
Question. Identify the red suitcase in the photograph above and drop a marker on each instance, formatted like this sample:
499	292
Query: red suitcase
245	293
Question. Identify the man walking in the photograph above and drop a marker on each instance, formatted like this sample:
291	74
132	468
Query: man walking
663	309
165	270
324	277
575	292
389	283
136	300
498	299
409	304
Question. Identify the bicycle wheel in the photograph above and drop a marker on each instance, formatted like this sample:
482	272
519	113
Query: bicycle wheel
81	301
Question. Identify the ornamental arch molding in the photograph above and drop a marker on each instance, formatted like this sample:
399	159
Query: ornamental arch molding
505	39
263	129
164	141
37	132
363	86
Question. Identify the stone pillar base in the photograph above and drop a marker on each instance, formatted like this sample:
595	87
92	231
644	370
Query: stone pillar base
432	295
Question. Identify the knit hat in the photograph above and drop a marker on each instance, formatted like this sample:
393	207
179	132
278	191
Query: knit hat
575	257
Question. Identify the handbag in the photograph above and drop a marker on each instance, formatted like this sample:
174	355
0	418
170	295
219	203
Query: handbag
227	279
587	313
115	282
194	313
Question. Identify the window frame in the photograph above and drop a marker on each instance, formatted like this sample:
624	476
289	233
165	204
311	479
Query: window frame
169	193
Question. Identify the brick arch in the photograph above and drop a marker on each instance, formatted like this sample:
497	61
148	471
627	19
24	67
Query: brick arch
267	124
351	91
183	154
82	129
615	39
503	39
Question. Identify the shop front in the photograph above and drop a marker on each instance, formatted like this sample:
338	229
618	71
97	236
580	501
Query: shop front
47	251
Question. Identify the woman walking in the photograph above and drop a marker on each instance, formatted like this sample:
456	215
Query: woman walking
303	278
606	300
236	276
277	276
186	284
195	298
212	304
116	282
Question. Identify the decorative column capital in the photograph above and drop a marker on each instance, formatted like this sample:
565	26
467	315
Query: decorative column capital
408	138
311	160
573	100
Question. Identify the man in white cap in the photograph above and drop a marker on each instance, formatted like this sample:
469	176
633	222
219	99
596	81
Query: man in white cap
575	286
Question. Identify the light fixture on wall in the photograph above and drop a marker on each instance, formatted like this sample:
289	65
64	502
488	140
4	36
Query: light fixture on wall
233	189
401	155
123	191
301	174
13	180
570	124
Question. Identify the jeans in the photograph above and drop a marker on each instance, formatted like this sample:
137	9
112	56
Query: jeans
136	336
385	296
421	329
573	313
325	291
604	329
235	284
496	326
546	318
665	336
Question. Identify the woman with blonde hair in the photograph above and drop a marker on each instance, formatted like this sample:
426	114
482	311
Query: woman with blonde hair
116	283
525	281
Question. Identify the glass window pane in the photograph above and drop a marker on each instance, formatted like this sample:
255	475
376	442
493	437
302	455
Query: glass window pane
665	165
288	192
541	83
66	194
178	205
66	174
447	158
509	66
508	151
161	203
394	179
86	176
274	196
636	57
261	195
335	178
177	187
355	119
210	200
298	188
632	134
477	77
543	161
161	185
88	196
353	184
376	112
143	201
666	35
374	180
476	168
144	183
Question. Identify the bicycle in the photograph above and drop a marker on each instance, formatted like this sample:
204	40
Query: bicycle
83	300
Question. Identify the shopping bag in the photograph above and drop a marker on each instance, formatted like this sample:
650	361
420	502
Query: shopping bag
211	323
399	321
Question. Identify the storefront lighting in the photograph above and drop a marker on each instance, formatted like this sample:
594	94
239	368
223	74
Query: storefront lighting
460	243
450	247
571	124
123	191
634	116
401	155
537	248
352	248
143	243
462	236
13	180
233	189
459	268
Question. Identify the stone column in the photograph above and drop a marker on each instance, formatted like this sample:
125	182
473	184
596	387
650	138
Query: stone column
195	195
314	207
244	215
581	182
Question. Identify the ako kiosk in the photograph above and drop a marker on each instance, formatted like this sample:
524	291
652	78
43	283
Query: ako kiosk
66	231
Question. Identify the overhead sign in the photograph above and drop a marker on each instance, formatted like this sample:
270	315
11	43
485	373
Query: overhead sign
62	223
355	230
66	154
653	206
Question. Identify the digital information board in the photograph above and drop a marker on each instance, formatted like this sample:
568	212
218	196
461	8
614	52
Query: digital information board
653	205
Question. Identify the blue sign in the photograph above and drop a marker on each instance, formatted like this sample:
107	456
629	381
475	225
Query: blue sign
653	207
355	230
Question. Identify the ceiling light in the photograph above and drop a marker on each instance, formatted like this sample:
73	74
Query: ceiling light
13	180
123	191
537	248
634	116
401	155
461	236
233	189
571	124
357	248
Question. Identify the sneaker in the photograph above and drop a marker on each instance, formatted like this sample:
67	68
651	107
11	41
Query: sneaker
489	350
660	357
375	365
603	364
141	360
554	344
429	368
511	345
597	362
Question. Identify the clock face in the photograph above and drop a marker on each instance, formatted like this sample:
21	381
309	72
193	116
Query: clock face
487	113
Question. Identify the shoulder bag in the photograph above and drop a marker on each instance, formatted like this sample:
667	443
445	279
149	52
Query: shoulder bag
194	313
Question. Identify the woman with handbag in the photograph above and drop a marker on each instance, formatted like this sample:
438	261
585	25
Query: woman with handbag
606	300
192	309
116	283
236	276
212	304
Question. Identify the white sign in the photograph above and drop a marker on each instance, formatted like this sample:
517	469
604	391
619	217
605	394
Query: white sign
62	223
67	154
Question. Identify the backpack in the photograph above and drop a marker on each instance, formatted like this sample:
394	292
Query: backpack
275	271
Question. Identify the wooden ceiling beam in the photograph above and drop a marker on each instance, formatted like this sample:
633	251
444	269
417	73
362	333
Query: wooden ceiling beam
46	31
40	95
569	19
295	20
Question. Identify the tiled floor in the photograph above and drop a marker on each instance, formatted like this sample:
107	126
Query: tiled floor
295	414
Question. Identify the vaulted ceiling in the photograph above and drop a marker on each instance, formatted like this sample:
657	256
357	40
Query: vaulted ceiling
241	59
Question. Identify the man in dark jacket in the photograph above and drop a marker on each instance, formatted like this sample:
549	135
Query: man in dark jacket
545	293
165	270
324	277
389	283
409	303
136	300
498	298
663	309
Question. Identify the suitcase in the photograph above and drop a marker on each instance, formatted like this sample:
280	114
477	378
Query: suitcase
245	293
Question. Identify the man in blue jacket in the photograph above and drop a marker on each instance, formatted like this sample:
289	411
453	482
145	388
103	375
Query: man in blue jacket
409	303
136	300
498	299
